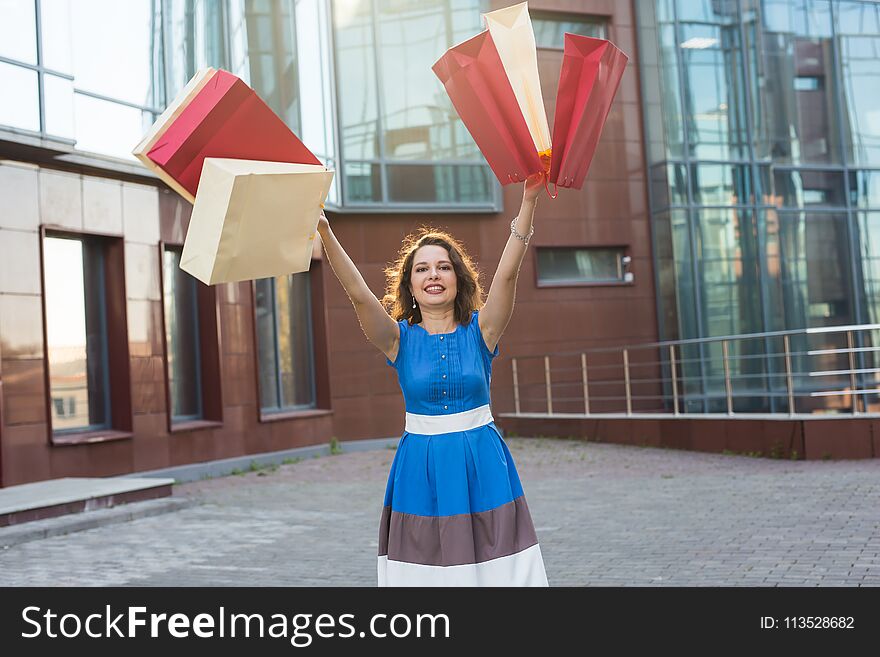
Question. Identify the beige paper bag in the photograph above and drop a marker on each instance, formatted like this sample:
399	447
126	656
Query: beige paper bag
190	91
254	219
511	30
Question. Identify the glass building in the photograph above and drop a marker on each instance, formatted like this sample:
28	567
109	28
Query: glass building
763	147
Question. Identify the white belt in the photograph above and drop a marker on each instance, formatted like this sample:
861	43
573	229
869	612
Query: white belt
434	424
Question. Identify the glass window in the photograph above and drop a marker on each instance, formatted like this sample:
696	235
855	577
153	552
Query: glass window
806	188
20	107
315	79
106	127
18	30
55	35
284	343
720	184
550	27
356	81
869	245
59	106
271	39
808	259
127	74
390	110
795	85
727	257
76	328
867	189
668	185
714	90
859	39
439	184
180	296
574	266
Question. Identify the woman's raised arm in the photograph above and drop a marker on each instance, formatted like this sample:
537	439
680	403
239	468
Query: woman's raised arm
377	325
498	309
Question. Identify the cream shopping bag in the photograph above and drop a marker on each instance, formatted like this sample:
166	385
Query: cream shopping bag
511	30
254	219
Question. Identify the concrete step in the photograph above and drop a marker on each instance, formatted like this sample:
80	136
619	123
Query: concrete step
57	497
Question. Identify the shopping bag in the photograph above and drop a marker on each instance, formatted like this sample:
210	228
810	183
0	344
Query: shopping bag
589	78
254	219
174	109
474	78
225	119
514	38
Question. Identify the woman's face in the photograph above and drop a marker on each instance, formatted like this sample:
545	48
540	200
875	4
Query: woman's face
432	280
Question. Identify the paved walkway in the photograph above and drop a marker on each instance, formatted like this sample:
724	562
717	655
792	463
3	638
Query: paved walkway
605	515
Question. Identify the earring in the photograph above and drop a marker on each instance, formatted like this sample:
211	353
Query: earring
414	302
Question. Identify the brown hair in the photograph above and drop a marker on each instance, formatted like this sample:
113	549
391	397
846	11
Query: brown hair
399	300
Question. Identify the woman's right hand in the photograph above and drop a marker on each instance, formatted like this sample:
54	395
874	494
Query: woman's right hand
322	221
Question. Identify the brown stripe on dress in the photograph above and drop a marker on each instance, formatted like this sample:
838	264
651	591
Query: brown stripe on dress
457	540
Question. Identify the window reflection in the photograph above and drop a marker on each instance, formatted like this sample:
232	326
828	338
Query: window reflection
271	52
56	35
562	266
180	296
284	343
107	127
550	28
805	188
127	74
76	333
720	184
18	31
20	107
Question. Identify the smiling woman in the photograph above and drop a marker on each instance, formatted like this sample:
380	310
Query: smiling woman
454	512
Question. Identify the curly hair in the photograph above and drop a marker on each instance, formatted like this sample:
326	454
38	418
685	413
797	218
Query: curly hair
398	300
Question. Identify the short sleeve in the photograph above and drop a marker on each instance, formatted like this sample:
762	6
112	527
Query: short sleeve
484	349
402	327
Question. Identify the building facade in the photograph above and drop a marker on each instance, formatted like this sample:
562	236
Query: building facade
114	361
763	143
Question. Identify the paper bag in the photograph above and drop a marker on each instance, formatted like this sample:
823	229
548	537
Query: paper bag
254	219
480	91
225	119
192	88
512	33
590	75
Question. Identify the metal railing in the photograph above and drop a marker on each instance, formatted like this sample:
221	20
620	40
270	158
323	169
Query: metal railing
829	370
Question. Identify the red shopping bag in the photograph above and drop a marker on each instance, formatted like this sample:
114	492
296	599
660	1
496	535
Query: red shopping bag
226	119
591	72
480	91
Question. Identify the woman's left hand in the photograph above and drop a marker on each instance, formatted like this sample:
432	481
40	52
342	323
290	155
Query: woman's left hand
533	186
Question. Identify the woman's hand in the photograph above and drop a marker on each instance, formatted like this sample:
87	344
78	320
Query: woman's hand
322	222
532	187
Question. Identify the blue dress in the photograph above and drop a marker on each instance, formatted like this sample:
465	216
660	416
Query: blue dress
454	511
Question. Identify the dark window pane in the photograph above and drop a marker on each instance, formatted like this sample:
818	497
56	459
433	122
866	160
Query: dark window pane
668	184
808	259
362	182
284	341
77	333
869	244
182	338
267	361
440	184
563	266
804	188
550	27
295	340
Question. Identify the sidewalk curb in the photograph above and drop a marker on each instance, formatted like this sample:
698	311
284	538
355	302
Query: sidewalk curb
40	529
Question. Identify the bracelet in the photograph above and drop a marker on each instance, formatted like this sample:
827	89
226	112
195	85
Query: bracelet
524	238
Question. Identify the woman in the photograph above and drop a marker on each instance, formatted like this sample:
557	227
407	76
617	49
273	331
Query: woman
454	514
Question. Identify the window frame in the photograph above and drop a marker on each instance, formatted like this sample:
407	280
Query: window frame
562	16
623	248
210	379
118	371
